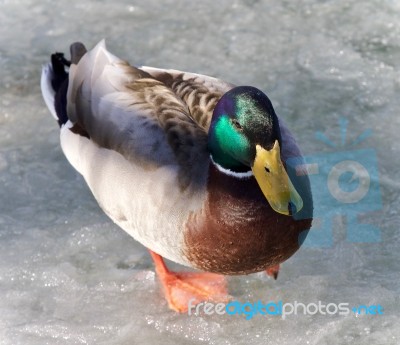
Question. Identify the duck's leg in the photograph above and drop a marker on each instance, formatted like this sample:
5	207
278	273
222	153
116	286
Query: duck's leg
182	287
273	271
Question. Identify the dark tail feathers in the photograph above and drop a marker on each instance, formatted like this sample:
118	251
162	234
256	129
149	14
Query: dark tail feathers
59	81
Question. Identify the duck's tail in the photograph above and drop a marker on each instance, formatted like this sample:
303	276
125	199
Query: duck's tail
54	81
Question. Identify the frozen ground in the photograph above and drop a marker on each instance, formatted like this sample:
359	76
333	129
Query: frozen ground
69	276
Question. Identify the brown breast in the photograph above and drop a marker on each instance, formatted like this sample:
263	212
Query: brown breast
237	232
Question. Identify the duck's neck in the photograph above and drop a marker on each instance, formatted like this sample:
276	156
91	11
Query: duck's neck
223	161
232	172
237	189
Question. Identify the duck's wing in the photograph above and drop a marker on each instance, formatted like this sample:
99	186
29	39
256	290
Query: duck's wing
153	119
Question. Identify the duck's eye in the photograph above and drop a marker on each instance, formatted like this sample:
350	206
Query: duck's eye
237	124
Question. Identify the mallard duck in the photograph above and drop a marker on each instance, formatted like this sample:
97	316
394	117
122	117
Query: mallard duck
190	166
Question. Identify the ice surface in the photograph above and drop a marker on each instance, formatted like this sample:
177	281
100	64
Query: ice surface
69	276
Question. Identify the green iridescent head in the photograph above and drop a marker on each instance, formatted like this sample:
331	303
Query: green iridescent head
243	118
244	134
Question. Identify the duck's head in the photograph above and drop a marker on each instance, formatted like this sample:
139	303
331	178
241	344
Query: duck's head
244	134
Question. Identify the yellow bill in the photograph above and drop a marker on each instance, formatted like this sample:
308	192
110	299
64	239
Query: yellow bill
274	181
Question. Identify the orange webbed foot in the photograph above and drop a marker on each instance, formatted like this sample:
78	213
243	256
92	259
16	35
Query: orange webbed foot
182	287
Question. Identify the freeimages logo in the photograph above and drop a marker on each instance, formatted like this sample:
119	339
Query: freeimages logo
249	309
343	182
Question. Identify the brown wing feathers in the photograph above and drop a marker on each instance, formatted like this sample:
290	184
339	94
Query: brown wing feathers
180	106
